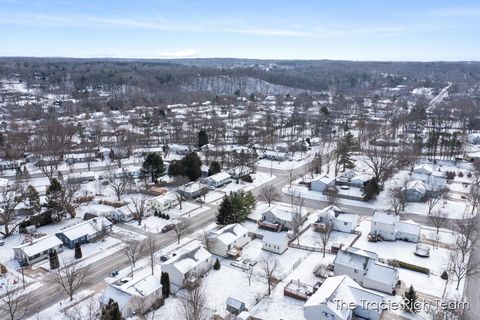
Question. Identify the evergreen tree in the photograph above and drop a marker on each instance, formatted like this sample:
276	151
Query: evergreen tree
153	166
78	251
345	147
225	211
214	168
111	311
54	199
217	265
202	138
371	190
53	258
32	200
165	282
409	299
192	164
176	168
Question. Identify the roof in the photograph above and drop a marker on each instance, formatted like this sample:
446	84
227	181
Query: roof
423	168
166	197
40	245
410	227
237	304
342	288
383	217
188	257
284	212
362	177
219	177
89	228
277	238
382	273
354	257
417	185
229	233
192	187
325	179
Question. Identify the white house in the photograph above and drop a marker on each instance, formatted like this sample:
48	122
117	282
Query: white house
276	242
389	227
322	183
130	293
161	203
81	177
84	232
229	240
284	215
124	213
359	180
363	267
330	301
340	221
187	264
37	250
219	179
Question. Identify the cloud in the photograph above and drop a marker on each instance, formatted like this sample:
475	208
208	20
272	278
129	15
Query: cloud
146	54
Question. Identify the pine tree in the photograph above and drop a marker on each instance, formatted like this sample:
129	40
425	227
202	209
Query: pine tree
193	166
53	258
202	138
217	265
345	147
111	311
54	199
165	282
176	168
214	168
153	166
409	298
371	189
225	211
32	200
78	251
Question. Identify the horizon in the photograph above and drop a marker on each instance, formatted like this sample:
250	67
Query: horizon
430	31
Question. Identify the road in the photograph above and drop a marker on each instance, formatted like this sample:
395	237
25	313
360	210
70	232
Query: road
438	98
50	294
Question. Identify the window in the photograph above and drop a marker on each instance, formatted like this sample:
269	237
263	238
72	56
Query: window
355	271
344	223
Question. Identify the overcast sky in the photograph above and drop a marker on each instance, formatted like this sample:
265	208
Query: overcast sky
267	29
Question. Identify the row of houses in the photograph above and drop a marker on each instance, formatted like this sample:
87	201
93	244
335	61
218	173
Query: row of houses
84	232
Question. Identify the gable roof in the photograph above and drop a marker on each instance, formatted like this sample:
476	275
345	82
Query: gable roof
40	245
87	228
229	233
188	257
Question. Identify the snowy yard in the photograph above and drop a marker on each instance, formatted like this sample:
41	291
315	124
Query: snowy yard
313	239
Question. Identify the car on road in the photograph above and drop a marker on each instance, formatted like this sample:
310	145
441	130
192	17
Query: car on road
168	227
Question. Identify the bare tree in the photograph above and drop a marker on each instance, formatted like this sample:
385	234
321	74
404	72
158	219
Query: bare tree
194	304
438	218
473	196
139	207
118	185
207	240
451	309
398	197
180	181
15	301
268	193
380	160
438	193
152	248
10	198
297	218
325	236
69	197
134	251
332	194
180	228
249	274
270	265
467	237
87	310
462	268
70	278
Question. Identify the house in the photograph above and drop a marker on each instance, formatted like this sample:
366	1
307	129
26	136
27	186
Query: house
37	250
474	138
239	171
193	190
161	203
124	213
360	180
340	221
341	298
129	293
363	267
179	149
389	227
276	242
284	216
235	306
84	232
275	156
185	265
3	184
423	169
228	241
219	179
322	184
416	191
81	177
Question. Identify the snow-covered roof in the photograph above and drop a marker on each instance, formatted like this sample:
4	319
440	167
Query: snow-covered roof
285	213
361	178
417	185
88	228
341	288
3	183
188	257
40	245
276	238
234	303
423	168
192	187
229	233
325	179
382	273
164	198
219	177
410	227
386	218
354	257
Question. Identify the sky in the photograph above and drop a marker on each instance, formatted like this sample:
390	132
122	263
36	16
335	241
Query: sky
403	30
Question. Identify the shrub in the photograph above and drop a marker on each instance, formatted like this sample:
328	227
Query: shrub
217	265
444	275
469	174
412	267
246	178
460	174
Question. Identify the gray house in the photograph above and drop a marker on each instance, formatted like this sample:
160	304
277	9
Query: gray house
416	191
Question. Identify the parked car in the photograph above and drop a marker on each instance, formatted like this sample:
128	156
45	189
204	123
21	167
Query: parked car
168	227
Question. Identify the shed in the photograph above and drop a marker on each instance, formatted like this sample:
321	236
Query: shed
235	306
